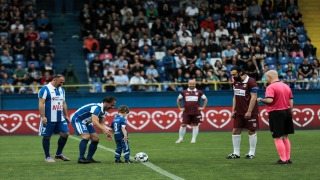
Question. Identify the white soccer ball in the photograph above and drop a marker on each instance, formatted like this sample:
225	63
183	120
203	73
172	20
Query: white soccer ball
141	157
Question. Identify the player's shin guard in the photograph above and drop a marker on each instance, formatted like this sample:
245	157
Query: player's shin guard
182	131
82	147
253	143
92	149
46	146
61	143
236	139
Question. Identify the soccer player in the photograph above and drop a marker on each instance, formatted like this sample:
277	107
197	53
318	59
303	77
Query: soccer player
83	121
121	135
244	111
191	110
279	104
54	116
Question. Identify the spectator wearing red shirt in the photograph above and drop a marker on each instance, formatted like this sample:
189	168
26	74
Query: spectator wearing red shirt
207	24
228	9
46	78
31	35
91	45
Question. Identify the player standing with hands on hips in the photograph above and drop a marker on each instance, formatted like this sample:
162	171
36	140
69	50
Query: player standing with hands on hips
279	104
191	110
83	121
54	116
244	111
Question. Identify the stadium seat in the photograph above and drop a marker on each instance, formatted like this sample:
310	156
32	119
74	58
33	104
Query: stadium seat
6	34
97	86
278	15
22	63
284	67
44	35
36	64
302	38
246	39
160	55
271	60
213	61
19	57
159	63
216	17
272	66
302	44
90	56
297	60
229	66
300	30
150	25
311	58
284	60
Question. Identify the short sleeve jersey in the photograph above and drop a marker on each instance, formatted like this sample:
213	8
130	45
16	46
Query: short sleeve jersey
191	100
281	95
242	92
118	123
83	114
53	106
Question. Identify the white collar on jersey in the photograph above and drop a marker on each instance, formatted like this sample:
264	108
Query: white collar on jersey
101	105
246	79
195	89
52	86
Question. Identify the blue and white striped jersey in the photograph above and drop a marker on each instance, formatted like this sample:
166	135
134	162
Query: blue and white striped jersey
117	123
83	114
53	106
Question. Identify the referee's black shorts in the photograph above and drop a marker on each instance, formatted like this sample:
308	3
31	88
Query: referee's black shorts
280	123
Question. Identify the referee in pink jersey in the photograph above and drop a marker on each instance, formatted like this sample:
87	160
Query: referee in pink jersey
279	104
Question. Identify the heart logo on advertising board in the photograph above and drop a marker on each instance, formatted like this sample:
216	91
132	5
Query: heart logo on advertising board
32	121
138	120
108	123
318	114
10	123
264	116
306	113
188	126
218	119
169	117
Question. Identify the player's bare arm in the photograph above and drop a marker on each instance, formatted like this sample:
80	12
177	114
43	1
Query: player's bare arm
179	105
124	131
205	101
101	121
65	111
291	104
251	105
95	122
265	101
233	106
41	111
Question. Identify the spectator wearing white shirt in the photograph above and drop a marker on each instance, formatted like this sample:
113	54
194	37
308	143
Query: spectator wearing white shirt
125	9
233	25
108	69
180	61
144	38
122	64
229	56
121	82
192	10
262	31
184	39
17	25
182	30
137	82
221	31
153	72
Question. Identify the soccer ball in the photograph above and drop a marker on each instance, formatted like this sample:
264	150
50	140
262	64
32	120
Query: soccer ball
141	157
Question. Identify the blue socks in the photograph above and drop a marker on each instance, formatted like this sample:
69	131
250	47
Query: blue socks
46	146
61	142
83	147
92	149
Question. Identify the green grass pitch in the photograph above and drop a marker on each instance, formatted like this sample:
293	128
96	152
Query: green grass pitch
21	157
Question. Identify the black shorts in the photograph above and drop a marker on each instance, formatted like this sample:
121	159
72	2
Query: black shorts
280	123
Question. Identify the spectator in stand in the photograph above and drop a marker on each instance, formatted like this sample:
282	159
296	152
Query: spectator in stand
4	23
158	43
169	65
283	24
230	7
305	69
87	28
239	47
137	66
144	39
19	75
295	49
127	25
193	26
148	3
213	49
218	66
250	69
229	56
243	57
316	67
7	88
211	79
30	15
183	30
122	64
153	72
43	23
16	34
3	70
151	83
181	62
192	11
270	50
6	79
290	79
235	40
34	74
184	39
167	24
291	8
95	74
91	45
109	80
224	42
200	80
289	33
125	9
309	49
254	41
302	83
31	35
152	13
263	31
6	59
296	18
96	62
192	69
140	16
47	77
137	82
109	44
147	56
255	11
43	50
17	25
106	57
272	25
18	46
200	63
107	70
279	6
157	28
208	23
233	25
48	65
282	50
314	81
6	47
190	54
221	31
224	78
165	10
257	56
117	35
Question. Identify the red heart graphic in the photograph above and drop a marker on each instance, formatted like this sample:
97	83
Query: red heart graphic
164	120
32	121
107	122
318	114
188	126
302	117
264	116
138	120
218	119
10	123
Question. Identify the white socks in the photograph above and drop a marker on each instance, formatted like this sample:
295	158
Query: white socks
195	131
236	139
182	131
253	143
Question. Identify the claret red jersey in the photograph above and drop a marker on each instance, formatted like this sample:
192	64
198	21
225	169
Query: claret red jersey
191	100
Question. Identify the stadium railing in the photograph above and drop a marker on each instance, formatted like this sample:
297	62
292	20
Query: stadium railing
38	87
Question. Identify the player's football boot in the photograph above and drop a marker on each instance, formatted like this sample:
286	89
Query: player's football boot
128	161
248	156
232	156
117	161
179	141
49	159
280	162
289	161
93	161
193	141
83	161
62	157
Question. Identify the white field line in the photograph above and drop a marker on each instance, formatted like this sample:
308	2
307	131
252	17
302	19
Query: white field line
148	164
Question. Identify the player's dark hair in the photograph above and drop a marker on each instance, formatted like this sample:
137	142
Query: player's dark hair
57	76
123	109
109	99
238	69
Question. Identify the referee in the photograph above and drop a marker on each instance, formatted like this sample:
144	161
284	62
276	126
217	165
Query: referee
279	104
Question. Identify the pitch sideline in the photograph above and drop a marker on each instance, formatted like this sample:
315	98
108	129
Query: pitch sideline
148	164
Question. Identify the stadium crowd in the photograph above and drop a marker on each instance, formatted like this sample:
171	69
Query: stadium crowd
25	49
